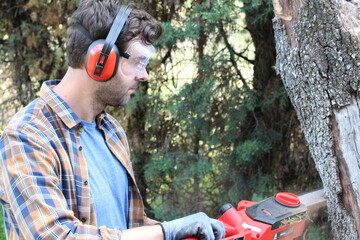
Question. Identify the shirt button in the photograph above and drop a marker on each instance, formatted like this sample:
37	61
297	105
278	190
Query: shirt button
86	182
80	148
83	220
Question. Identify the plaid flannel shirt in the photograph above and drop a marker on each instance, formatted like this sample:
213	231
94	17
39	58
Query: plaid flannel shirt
44	184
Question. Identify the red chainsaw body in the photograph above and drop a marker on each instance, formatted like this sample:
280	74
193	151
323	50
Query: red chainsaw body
264	220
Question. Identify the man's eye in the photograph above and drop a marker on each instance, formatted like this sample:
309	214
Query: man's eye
137	60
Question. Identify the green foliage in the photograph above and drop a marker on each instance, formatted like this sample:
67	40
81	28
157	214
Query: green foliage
2	231
192	105
206	140
247	150
221	11
264	185
177	33
161	168
278	96
318	231
32	49
175	177
262	8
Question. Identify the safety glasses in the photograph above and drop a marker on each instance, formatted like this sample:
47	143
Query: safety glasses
139	56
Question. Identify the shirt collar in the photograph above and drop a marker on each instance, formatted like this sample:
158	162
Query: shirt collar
100	118
59	106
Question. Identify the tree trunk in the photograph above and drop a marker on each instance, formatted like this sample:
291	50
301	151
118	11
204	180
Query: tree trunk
318	58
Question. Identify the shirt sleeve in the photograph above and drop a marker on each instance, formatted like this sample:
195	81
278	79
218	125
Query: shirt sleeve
149	221
31	193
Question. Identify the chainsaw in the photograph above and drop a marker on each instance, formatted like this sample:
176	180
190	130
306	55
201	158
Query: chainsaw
283	216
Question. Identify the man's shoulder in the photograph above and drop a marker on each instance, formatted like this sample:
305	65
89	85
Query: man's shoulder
35	117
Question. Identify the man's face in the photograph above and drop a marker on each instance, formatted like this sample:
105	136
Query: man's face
130	72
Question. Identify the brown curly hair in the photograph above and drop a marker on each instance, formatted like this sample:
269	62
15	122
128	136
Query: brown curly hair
97	17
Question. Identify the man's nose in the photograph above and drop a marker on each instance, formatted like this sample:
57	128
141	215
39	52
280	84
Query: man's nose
143	77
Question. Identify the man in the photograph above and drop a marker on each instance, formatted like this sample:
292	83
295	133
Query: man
65	163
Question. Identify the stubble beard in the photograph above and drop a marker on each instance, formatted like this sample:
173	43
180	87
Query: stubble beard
115	94
110	97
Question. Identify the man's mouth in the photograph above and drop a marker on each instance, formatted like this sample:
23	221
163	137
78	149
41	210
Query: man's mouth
133	89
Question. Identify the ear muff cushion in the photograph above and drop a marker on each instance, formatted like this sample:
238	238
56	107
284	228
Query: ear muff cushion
92	58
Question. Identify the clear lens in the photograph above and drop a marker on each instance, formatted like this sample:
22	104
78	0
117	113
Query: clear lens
139	58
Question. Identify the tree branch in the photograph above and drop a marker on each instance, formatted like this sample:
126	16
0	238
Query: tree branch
231	51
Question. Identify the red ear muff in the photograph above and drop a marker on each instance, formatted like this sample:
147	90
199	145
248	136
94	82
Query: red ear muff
100	68
103	56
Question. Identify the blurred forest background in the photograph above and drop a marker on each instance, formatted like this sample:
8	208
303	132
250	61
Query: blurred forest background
212	125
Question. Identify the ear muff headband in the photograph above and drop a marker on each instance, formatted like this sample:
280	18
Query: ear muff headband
115	29
103	55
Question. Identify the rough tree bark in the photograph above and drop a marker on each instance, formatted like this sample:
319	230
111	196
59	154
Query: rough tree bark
318	58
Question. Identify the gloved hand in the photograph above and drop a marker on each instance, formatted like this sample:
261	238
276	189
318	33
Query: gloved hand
197	225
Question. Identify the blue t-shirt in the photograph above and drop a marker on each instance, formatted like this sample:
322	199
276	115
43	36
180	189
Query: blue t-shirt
108	179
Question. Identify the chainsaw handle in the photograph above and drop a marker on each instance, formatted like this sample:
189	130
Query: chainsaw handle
230	212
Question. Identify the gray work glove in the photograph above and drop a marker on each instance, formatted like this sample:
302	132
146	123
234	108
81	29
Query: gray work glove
197	225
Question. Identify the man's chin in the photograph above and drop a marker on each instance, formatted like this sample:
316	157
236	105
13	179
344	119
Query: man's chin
119	104
123	102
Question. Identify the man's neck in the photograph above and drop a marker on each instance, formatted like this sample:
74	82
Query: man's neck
76	89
